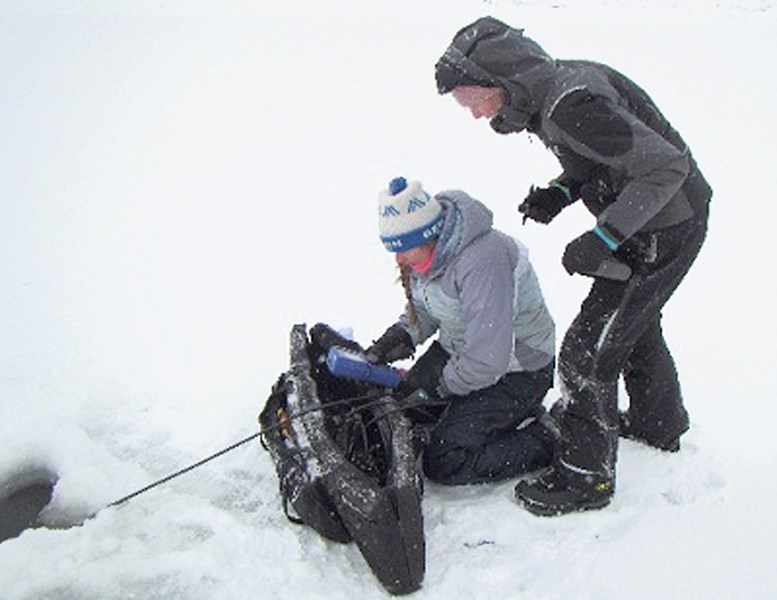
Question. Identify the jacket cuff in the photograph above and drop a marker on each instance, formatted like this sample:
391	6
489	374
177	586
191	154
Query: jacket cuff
611	240
441	390
569	187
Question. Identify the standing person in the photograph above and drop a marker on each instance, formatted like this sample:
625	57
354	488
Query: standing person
493	360
636	175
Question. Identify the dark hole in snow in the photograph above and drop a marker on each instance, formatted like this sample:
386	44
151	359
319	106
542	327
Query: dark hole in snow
22	498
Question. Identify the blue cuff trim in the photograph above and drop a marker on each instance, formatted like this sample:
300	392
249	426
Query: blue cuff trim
611	243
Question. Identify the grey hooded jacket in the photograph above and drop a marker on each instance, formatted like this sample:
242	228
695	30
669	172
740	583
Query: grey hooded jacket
618	152
483	298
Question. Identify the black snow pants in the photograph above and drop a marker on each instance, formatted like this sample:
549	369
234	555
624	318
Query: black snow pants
485	435
618	332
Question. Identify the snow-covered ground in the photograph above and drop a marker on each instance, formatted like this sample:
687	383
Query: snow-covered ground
180	182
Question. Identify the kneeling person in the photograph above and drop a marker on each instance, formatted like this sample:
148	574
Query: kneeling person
493	360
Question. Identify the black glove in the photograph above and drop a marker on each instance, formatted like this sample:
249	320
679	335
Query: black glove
394	344
589	255
426	373
543	204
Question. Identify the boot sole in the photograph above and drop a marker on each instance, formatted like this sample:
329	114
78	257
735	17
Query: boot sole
671	446
544	510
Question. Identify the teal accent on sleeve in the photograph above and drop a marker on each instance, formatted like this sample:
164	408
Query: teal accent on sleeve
563	188
611	243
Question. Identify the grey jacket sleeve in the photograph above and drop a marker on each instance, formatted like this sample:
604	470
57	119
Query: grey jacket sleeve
597	128
487	290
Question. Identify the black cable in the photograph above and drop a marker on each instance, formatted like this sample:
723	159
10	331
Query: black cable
379	397
182	471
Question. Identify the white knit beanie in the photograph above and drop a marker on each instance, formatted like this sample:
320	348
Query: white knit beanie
407	216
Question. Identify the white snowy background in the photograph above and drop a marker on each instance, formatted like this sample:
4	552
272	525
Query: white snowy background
180	182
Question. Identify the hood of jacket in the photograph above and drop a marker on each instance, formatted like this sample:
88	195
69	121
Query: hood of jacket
466	219
490	53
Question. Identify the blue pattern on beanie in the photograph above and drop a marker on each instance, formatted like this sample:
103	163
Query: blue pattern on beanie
408	216
413	239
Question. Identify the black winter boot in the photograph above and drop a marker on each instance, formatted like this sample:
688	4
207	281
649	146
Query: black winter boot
628	430
551	494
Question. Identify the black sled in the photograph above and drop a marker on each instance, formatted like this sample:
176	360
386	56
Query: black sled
344	456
